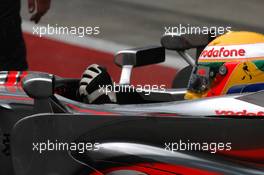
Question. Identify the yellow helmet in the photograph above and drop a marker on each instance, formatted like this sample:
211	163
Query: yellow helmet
232	63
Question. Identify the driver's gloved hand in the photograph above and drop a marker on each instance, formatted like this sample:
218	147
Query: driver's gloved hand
96	85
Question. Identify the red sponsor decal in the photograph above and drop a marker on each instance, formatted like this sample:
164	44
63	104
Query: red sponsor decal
239	113
223	52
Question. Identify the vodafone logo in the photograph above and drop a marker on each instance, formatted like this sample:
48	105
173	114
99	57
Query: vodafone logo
223	52
233	51
239	113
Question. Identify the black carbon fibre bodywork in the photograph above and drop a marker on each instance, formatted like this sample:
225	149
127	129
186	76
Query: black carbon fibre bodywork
132	140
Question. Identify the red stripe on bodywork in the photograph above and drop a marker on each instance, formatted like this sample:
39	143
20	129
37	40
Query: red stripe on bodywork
15	98
11	88
23	74
13	81
160	168
96	173
11	78
253	155
89	110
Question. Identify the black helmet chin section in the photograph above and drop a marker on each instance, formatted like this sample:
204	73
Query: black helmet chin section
204	75
200	79
198	84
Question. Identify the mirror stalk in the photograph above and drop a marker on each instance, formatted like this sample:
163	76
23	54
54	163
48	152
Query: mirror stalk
126	75
187	58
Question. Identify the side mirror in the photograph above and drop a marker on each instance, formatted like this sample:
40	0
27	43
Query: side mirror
184	42
181	43
140	56
127	59
38	86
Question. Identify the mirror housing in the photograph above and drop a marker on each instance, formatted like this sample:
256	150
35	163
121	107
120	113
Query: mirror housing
127	59
181	43
185	42
140	56
39	85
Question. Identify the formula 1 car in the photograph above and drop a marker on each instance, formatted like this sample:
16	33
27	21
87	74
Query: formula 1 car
47	130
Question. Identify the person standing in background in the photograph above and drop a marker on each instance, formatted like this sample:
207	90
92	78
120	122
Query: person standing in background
12	45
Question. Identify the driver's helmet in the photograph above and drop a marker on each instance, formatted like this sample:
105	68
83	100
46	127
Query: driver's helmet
232	63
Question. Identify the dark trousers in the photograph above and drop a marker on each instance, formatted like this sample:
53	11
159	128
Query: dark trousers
12	45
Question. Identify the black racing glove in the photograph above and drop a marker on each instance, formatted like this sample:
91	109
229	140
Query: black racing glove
96	86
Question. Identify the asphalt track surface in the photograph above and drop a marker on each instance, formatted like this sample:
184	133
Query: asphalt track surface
131	23
141	22
68	60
